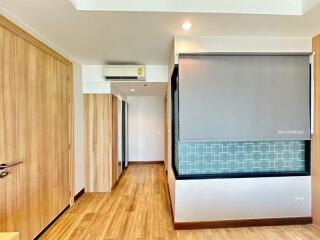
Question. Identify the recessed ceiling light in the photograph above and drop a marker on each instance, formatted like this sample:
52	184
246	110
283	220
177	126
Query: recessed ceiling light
132	90
186	25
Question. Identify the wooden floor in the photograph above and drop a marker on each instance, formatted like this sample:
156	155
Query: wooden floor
139	208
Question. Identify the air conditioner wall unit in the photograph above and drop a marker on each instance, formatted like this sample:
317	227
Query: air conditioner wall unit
124	72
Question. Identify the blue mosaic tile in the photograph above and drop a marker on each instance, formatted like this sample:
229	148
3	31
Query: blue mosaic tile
240	157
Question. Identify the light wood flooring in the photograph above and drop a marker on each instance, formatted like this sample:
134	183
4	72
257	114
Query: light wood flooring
139	208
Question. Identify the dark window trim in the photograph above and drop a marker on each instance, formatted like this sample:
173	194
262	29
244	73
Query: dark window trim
173	117
306	172
240	175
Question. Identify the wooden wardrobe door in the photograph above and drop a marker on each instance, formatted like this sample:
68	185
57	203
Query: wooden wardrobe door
34	129
13	190
97	136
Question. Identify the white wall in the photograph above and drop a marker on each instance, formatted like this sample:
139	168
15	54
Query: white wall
240	44
242	198
118	93
145	128
247	198
156	73
93	82
78	129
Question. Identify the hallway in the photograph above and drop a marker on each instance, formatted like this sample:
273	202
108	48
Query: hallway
139	208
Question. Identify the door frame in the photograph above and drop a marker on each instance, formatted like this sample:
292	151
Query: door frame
12	27
124	134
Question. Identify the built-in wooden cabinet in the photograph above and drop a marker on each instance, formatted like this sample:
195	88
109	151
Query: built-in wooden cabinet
35	132
100	141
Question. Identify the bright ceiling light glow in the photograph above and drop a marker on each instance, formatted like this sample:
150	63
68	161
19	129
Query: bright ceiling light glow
186	25
132	90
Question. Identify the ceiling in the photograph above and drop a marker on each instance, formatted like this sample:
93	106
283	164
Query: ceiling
141	88
99	37
284	7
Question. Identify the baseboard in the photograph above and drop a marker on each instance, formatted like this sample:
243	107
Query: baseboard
146	162
243	223
78	195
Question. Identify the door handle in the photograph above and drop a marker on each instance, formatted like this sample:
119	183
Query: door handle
3	174
5	166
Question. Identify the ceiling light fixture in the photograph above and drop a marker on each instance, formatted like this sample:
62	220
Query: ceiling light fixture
186	25
132	90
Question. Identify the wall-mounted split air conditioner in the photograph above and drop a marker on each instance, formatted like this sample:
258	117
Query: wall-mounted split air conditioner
124	72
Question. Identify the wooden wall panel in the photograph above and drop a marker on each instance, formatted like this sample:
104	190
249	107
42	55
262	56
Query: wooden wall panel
10	26
315	141
35	110
97	132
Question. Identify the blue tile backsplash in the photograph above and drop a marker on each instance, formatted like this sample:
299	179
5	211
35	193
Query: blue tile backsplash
240	157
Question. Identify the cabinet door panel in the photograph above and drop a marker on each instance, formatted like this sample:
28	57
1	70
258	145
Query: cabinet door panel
34	129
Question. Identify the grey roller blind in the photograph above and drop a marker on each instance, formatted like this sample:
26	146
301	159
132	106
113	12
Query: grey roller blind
244	97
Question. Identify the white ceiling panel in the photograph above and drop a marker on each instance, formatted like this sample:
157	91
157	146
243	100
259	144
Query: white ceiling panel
141	88
100	37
